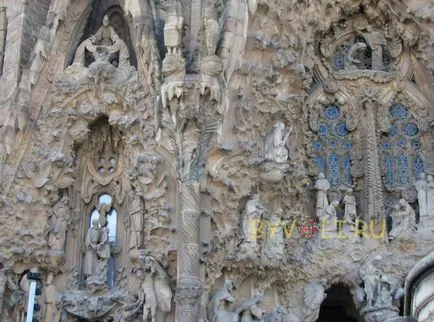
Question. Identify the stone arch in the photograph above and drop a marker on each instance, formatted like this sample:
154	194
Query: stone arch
338	306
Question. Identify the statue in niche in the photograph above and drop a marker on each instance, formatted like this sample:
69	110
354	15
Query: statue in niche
99	278
321	186
274	242
251	219
52	313
403	219
328	217
370	276
430	195
376	41
249	309
421	186
350	214
90	257
157	294
220	302
102	46
173	30
275	149
59	225
136	216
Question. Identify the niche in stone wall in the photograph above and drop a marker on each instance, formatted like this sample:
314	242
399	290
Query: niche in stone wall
103	29
100	195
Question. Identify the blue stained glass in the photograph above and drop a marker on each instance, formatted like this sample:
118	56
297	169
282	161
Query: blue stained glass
403	177
323	129
416	144
332	143
339	61
386	145
411	129
388	164
333	167
317	145
393	130
347	170
341	129
402	143
348	145
331	112
399	111
320	164
418	166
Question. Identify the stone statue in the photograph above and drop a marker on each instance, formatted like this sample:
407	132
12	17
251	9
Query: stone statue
102	46
375	40
219	304
275	142
371	279
421	186
274	243
90	256
51	311
211	32
57	12
104	34
250	310
136	217
350	61
403	218
173	30
252	216
157	295
314	295
321	186
349	200
328	217
103	247
59	225
430	195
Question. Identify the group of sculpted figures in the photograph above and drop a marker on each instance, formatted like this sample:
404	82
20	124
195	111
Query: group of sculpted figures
403	215
326	212
255	224
103	45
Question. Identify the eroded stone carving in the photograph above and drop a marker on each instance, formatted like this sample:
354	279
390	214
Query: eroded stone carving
321	186
252	216
404	221
421	186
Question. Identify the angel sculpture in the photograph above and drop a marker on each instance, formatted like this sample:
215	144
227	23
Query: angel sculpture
275	149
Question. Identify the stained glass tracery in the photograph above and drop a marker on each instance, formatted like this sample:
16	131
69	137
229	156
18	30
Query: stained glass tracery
400	149
332	147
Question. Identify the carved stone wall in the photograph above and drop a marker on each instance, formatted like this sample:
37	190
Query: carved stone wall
215	160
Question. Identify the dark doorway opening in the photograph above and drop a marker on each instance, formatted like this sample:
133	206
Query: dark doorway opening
339	306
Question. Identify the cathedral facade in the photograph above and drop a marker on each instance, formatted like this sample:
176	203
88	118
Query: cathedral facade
217	160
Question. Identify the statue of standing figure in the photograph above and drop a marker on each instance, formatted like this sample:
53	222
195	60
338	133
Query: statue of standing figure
59	225
350	214
275	149
173	30
52	313
421	186
136	223
90	257
252	216
274	246
321	186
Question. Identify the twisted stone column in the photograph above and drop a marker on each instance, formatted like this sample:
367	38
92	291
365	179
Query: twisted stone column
189	285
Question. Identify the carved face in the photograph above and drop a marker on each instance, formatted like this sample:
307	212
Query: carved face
106	21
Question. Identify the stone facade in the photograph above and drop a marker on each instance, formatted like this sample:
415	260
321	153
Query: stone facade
219	160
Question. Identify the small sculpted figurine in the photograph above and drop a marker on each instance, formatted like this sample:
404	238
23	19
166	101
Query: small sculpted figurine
275	149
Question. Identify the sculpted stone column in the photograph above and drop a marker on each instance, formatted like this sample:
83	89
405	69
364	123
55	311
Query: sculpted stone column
374	201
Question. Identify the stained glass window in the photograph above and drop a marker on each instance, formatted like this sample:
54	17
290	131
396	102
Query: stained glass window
400	149
331	149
